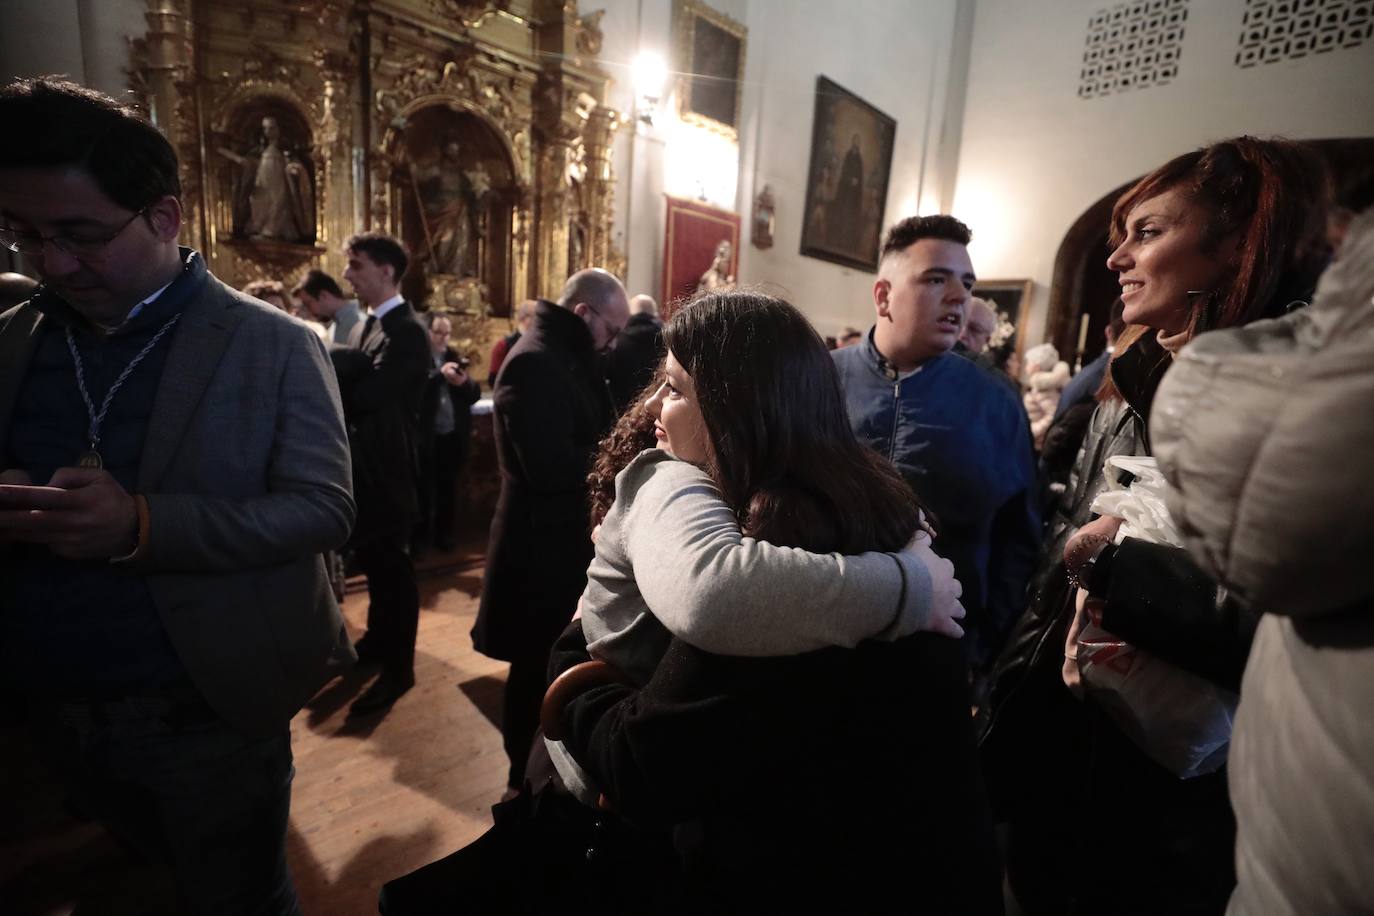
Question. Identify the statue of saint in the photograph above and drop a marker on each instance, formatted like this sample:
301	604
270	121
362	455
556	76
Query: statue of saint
718	275
448	203
272	194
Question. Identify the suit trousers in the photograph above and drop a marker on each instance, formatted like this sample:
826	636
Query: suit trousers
174	781
393	611
438	486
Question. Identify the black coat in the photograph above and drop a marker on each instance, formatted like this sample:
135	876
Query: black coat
551	408
840	777
637	353
381	380
1043	748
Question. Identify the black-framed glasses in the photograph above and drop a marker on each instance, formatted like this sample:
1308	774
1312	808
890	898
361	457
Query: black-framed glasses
78	246
615	331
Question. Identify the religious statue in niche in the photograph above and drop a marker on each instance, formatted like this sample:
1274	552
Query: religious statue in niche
453	187
448	196
273	198
718	274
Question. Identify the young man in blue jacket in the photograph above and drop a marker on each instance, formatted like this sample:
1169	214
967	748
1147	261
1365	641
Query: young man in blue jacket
955	432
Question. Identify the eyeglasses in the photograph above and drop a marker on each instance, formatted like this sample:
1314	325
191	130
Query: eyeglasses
615	331
31	243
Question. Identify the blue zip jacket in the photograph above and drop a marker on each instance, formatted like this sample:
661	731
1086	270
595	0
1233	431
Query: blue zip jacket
962	441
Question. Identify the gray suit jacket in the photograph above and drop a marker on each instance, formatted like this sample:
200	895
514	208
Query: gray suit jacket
246	471
347	318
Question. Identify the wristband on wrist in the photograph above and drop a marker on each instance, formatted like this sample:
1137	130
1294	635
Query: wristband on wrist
1079	573
141	542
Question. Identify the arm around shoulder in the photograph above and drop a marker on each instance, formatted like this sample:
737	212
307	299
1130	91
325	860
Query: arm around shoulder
725	593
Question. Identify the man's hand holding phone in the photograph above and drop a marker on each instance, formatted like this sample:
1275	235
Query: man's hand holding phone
455	373
82	513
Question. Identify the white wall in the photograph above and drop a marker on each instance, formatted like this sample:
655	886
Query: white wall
895	54
1034	156
39	37
84	39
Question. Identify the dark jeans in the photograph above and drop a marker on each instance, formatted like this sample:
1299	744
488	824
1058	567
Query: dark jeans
393	610
178	784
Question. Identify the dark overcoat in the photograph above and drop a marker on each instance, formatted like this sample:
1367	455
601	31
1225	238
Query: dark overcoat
638	352
551	408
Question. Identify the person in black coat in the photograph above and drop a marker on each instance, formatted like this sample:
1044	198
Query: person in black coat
551	408
444	434
637	352
1145	841
381	377
1069	426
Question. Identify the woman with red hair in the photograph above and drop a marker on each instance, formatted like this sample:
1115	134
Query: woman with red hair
1215	238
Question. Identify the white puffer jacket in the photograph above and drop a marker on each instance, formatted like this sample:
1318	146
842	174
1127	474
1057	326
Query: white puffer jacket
1266	434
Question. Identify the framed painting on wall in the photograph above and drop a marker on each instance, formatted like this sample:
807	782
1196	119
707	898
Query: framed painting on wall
1011	299
711	59
693	239
846	185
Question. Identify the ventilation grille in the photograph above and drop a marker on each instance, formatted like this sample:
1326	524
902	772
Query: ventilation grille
1292	29
1132	46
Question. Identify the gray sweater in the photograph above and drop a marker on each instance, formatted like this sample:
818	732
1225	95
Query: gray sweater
671	561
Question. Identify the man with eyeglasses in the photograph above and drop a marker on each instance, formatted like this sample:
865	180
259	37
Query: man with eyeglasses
551	408
173	462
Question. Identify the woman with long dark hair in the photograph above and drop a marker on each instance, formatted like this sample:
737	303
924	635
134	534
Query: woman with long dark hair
758	754
1215	238
783	780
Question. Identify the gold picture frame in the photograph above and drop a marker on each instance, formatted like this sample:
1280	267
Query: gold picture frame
711	50
1011	299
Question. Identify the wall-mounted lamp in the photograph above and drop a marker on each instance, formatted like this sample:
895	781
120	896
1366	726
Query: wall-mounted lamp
650	73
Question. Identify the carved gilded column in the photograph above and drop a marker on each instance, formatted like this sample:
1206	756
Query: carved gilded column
557	130
600	195
164	71
551	213
334	119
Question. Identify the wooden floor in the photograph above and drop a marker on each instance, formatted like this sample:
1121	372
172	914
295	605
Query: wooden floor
370	802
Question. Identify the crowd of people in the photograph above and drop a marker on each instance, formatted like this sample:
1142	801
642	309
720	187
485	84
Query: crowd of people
750	585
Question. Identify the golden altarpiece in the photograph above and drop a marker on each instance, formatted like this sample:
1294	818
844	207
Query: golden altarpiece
475	131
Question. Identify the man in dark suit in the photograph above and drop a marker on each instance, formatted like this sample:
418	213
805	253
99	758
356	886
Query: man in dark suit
382	379
551	407
637	352
164	608
445	430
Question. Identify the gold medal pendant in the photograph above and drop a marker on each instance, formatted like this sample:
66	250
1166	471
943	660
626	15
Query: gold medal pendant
90	459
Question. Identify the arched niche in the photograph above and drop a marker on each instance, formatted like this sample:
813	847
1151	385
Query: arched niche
264	167
1082	284
454	193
